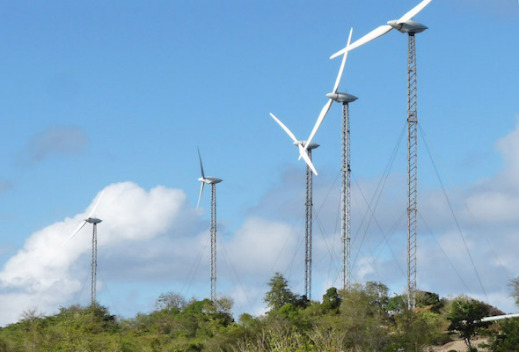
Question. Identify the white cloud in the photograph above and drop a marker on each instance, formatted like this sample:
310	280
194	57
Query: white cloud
43	273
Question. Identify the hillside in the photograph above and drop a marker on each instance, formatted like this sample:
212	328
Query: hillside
362	318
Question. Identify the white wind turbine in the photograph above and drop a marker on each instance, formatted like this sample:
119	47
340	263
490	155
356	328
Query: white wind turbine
210	181
94	221
309	203
405	24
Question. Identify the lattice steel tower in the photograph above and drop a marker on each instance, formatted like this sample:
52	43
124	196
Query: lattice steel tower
213	242
412	167
345	99
309	225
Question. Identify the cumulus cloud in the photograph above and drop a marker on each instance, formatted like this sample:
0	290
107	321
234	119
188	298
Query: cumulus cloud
43	273
58	141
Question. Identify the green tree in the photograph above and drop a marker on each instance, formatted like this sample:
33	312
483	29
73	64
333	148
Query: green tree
363	318
170	300
331	299
279	293
506	338
419	328
397	304
465	318
429	300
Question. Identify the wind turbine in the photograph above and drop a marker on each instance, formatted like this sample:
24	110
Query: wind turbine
210	181
405	24
309	202
94	221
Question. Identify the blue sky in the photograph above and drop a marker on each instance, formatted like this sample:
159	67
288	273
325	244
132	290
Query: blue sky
118	95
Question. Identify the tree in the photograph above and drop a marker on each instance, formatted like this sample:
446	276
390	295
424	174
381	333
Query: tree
170	300
362	318
397	304
465	317
429	300
506	339
377	293
279	293
418	328
331	299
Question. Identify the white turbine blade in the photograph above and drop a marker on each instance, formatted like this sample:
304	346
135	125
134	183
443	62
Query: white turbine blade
343	63
83	223
96	204
377	32
320	119
414	11
201	166
306	158
200	196
285	128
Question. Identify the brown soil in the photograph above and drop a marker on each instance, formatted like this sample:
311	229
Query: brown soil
459	346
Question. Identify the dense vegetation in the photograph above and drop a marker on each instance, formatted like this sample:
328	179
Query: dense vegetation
362	318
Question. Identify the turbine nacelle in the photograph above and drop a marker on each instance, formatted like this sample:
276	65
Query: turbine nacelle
298	143
404	24
408	26
93	221
210	180
342	97
310	146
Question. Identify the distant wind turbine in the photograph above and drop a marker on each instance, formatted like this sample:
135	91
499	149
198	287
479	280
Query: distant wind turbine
210	181
94	221
309	203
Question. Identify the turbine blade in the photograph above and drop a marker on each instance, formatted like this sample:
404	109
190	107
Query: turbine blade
285	128
96	204
200	196
320	119
377	32
343	63
201	166
306	158
414	11
83	223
